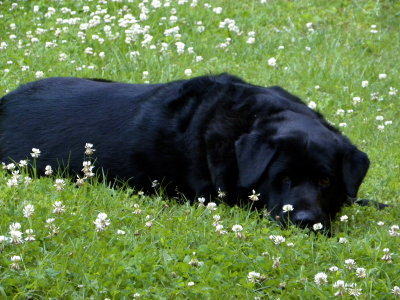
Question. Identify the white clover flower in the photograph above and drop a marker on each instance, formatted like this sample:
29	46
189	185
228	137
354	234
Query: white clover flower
237	228
58	207
80	181
364	83
180	47
15	262
137	210
393	91
352	290
121	232
188	72
211	206
154	183
62	57
290	244
30	237
190	50
287	207
251	40
276	262
350	263
312	105
387	257
12	182
194	262
190	283
102	222
134	54
16	237
28	211
220	229
88	168
15	233
89	149
333	269
272	62
356	100
53	229
321	278
343	240
39	74
201	200
254	276
148	224
381	127
10	166
221	194
27	180
382	76
380	223
59	185
15	226
379	118
344	218
48	170
341	285
373	29
217	10
23	163
342	124
394	230
35	153
395	290
317	226
277	239
361	273
254	196
216	218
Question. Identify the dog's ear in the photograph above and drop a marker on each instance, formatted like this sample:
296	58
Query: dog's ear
253	156
355	165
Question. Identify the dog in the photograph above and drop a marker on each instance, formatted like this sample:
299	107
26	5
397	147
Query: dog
201	136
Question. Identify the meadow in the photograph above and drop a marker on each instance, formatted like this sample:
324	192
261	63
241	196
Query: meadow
63	240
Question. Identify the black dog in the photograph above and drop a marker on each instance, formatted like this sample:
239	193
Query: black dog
200	135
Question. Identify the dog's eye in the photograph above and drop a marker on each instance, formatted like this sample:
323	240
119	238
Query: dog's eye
286	180
324	182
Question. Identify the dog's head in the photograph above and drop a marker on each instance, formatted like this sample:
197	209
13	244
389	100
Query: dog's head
300	161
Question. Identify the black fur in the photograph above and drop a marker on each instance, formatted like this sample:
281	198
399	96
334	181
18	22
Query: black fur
199	135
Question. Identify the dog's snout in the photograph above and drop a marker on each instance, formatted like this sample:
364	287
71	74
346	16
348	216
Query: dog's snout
305	218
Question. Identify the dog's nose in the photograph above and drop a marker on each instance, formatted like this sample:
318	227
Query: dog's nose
305	218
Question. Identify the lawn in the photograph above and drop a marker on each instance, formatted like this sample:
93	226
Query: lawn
96	241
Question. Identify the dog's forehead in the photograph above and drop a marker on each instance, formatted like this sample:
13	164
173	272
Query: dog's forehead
308	138
309	157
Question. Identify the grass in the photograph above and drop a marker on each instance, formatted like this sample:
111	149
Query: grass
337	52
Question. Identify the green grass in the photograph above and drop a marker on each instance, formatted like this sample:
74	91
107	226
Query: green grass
79	262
